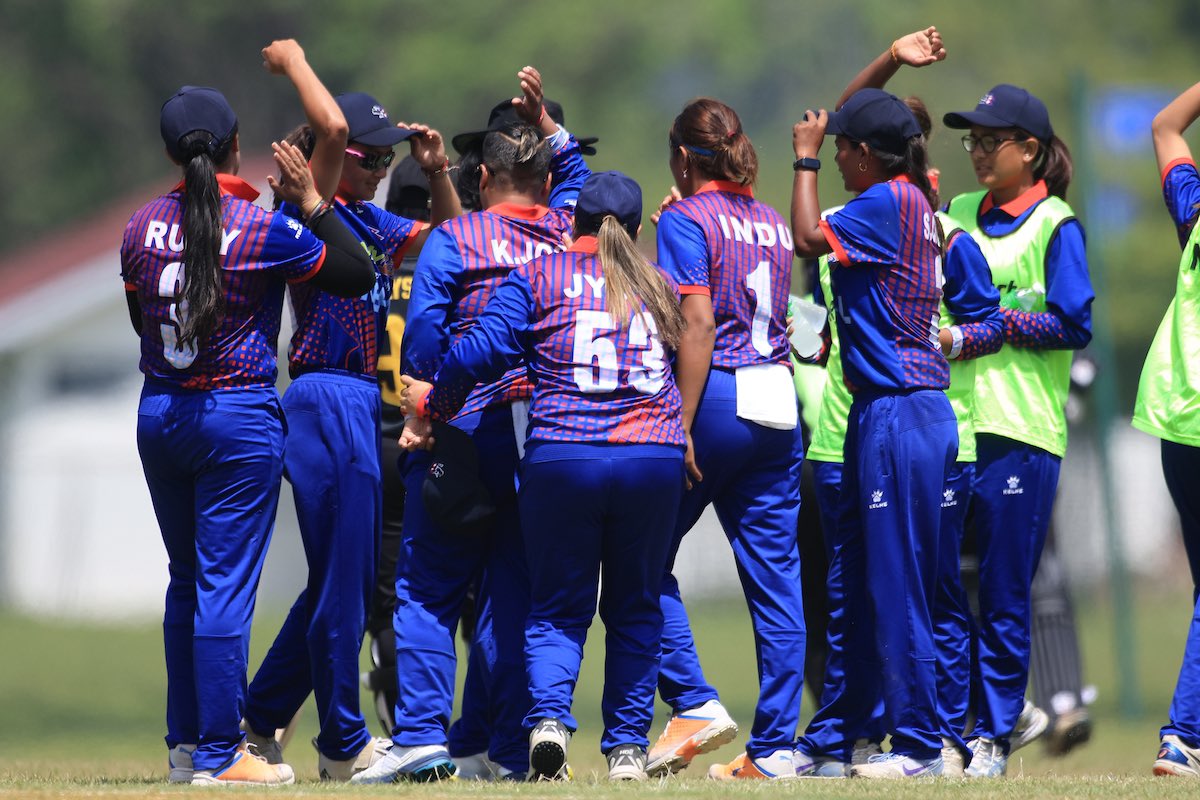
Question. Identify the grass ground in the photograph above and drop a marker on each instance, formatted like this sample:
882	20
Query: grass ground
82	707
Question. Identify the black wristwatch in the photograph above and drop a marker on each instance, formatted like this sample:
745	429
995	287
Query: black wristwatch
806	163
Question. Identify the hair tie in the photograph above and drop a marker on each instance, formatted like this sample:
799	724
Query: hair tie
731	134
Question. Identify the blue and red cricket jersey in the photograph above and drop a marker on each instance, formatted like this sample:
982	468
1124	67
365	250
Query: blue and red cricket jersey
592	381
344	333
887	278
724	243
465	258
259	250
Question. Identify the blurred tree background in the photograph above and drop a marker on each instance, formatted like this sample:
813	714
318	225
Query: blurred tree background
81	82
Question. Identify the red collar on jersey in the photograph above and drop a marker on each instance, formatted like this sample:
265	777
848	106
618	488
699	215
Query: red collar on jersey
1020	204
517	211
726	186
901	178
230	184
584	244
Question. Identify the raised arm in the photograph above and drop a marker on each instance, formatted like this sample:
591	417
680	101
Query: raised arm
807	137
285	57
917	49
1169	125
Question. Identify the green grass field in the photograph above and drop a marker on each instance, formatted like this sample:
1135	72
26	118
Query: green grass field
83	713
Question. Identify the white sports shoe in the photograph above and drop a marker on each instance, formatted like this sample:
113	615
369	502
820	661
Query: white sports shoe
1176	758
425	762
819	766
627	762
687	735
952	760
478	767
333	770
895	765
1030	725
179	758
246	768
548	750
988	760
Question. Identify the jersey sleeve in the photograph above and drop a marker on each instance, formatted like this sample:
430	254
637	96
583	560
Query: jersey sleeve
129	249
1066	324
683	252
971	297
568	170
396	233
292	249
431	301
495	344
1181	191
864	231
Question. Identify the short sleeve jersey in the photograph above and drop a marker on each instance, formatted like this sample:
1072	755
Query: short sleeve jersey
724	243
460	266
887	278
344	333
259	252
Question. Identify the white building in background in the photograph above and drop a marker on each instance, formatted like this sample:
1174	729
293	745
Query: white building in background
78	536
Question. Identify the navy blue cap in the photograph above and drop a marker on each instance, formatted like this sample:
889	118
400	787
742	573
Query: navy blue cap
878	118
1006	106
368	121
605	193
196	108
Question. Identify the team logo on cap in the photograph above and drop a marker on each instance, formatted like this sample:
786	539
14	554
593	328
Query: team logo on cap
379	111
986	100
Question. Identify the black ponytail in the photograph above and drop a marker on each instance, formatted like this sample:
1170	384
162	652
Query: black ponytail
203	293
914	165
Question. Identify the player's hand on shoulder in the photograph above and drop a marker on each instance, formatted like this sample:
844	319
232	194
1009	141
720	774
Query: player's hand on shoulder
809	133
673	197
279	54
920	48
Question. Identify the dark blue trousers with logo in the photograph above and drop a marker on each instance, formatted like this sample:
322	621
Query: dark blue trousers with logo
1181	468
951	615
598	520
332	461
899	449
213	463
434	571
752	478
836	725
1013	495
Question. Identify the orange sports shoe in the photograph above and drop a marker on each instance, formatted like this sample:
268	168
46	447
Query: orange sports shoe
775	766
687	735
246	768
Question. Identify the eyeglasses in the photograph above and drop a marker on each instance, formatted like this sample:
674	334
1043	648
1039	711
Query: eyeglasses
988	142
373	161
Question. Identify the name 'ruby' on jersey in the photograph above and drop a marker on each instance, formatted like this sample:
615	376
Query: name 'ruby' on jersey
593	382
259	251
724	243
344	333
887	280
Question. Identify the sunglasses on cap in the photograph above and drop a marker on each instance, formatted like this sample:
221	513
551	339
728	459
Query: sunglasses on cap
372	161
987	142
